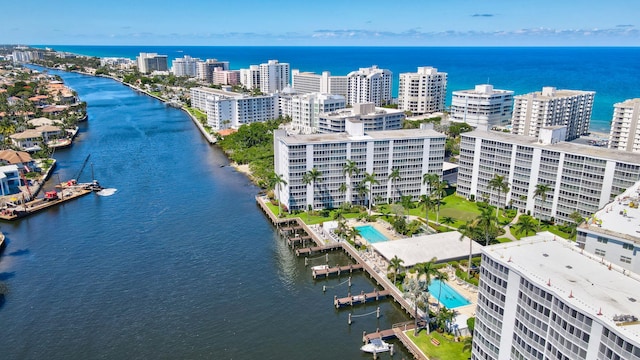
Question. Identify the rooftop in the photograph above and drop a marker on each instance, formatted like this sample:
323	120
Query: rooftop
294	139
581	279
443	246
564	146
619	218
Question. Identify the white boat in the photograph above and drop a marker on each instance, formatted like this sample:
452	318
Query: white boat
320	267
375	346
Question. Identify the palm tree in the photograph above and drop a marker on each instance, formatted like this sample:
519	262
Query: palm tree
394	176
371	179
361	189
439	191
430	179
417	291
427	269
426	203
448	220
541	191
525	225
441	276
445	316
485	221
343	189
277	181
352	234
467	344
348	170
501	185
466	231
577	220
311	177
395	263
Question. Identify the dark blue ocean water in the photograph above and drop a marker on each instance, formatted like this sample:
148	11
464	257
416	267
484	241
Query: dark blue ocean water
614	73
178	264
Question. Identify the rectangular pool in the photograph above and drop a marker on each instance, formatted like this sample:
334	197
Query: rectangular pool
369	233
446	295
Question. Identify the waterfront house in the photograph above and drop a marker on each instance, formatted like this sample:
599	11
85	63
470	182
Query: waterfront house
9	179
28	140
21	159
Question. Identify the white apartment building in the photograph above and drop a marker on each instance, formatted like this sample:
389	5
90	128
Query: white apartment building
374	118
226	109
541	298
369	85
308	82
250	78
613	233
550	107
274	76
185	66
482	106
413	152
150	62
422	92
205	69
625	126
582	178
304	109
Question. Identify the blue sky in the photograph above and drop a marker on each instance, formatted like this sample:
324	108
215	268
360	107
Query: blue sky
322	23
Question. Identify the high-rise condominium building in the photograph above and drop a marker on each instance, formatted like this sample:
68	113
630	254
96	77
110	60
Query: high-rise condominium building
150	62
250	78
412	152
185	66
369	85
308	82
625	126
550	107
274	76
482	106
205	69
612	233
422	92
226	77
374	118
542	298
226	109
579	178
304	109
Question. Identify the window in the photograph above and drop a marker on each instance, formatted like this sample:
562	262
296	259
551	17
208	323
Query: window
627	246
625	259
600	252
602	240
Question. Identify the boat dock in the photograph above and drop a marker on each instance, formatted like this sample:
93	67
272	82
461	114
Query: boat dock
296	228
315	249
37	205
337	270
362	298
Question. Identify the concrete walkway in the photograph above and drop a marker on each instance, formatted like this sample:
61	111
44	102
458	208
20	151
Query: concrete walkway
507	228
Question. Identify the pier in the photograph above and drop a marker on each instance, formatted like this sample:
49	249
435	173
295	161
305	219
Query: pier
362	298
295	228
337	270
37	205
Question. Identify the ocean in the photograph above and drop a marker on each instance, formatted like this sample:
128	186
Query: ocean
612	72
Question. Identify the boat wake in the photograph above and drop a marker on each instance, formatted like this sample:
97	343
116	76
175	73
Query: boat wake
107	192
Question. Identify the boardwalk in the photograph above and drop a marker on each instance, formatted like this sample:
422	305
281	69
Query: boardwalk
362	298
336	270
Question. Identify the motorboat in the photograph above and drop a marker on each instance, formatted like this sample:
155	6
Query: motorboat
320	267
375	346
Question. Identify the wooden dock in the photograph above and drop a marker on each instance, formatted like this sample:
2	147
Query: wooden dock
315	249
362	298
293	241
337	270
388	333
37	205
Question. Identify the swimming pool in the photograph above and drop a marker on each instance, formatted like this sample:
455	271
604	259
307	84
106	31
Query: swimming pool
370	234
447	295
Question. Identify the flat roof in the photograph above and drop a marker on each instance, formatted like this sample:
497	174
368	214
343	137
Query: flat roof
618	218
370	135
581	279
565	146
443	246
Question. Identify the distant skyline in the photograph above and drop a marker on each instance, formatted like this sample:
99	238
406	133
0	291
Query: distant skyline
327	23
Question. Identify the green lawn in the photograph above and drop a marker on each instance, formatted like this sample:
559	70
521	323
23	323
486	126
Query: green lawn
313	219
447	350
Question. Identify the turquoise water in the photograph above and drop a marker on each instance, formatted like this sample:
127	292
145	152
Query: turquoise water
612	72
371	234
446	294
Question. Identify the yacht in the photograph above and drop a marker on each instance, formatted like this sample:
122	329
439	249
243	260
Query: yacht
375	346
